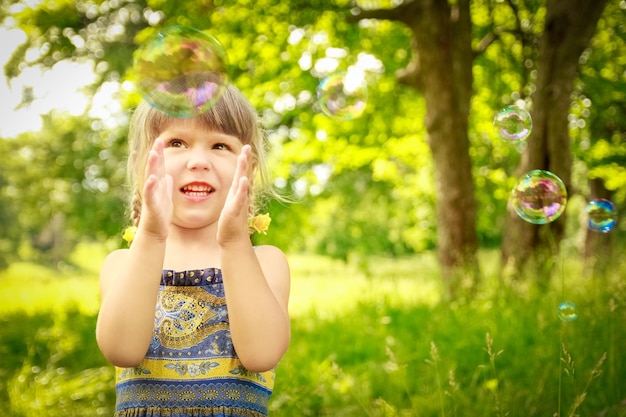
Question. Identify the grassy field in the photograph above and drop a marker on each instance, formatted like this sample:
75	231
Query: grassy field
377	344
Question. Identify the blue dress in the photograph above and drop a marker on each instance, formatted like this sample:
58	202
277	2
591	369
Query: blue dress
191	368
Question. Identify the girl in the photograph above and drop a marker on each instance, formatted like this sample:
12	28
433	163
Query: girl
194	316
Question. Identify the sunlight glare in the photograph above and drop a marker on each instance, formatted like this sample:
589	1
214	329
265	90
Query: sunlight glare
38	91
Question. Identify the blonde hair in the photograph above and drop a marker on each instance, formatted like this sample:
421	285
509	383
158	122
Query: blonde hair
232	114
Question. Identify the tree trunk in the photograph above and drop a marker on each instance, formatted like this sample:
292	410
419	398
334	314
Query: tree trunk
441	70
443	44
569	26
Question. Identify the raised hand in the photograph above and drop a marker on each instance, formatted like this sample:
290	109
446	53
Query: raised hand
157	208
233	221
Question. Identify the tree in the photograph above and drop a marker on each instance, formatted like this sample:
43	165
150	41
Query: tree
441	70
263	55
559	51
365	185
65	184
599	126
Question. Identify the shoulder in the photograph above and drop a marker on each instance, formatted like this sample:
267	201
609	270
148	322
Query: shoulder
112	264
272	257
269	253
113	259
275	266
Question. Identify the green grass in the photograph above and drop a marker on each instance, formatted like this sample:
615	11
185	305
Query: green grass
381	343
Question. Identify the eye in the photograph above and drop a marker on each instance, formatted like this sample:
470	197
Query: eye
221	146
175	143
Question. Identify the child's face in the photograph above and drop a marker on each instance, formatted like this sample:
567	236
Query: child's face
202	164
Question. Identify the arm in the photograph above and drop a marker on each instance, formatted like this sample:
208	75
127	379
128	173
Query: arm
129	278
257	293
129	282
256	282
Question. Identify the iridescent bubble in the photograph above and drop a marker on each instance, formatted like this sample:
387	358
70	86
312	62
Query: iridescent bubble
601	215
513	123
567	311
343	95
539	197
181	71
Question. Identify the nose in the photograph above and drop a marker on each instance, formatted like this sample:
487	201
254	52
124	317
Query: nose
198	160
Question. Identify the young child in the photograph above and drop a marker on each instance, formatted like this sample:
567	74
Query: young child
193	315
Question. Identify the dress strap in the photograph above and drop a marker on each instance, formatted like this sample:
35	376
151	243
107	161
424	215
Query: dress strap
191	277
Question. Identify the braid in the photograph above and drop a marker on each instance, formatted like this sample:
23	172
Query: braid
135	208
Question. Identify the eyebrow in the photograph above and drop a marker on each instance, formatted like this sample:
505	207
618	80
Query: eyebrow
182	133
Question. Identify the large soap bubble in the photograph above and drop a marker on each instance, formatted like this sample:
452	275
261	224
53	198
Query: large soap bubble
601	215
343	94
539	197
513	123
181	71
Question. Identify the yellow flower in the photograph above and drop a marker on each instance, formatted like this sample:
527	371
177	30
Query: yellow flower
129	234
260	223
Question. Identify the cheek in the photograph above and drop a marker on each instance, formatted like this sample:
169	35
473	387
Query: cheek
227	175
171	164
226	168
169	168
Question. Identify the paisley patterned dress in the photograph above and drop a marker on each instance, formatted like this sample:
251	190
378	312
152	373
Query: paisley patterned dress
191	368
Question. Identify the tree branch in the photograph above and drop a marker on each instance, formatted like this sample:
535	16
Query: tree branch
410	75
404	13
487	40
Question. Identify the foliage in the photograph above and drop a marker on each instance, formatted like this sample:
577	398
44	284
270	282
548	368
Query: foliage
60	371
9	231
336	170
68	183
383	345
597	122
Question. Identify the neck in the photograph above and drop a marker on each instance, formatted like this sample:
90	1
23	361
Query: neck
191	248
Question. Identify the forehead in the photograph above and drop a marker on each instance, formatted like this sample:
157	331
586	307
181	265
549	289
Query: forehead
195	123
197	127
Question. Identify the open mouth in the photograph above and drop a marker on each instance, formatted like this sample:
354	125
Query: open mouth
197	190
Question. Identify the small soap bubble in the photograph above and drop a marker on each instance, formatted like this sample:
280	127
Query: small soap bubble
181	71
513	123
567	311
601	215
539	197
343	95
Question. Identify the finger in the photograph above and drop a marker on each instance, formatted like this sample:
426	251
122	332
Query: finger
239	202
242	191
155	162
158	147
151	163
242	167
148	190
169	181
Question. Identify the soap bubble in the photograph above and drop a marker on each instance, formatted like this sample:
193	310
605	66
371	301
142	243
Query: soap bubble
513	123
567	311
343	95
539	197
601	215
181	71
